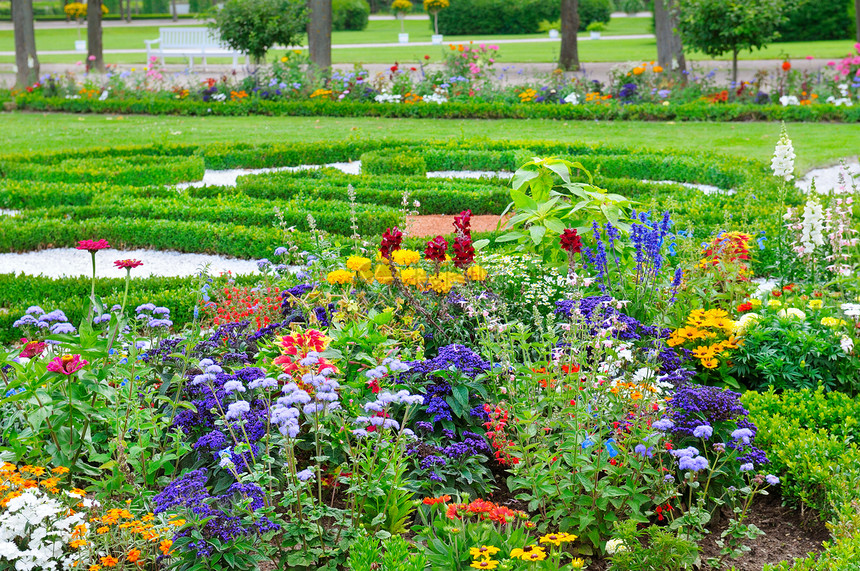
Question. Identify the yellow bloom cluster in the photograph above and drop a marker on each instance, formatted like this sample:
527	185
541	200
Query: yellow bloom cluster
340	277
405	257
832	322
713	325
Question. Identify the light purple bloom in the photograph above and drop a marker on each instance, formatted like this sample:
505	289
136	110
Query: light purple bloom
305	475
235	410
748	467
772	480
703	431
663	425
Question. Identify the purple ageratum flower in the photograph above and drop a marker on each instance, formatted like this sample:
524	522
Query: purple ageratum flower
159	323
236	409
742	434
693	464
772	480
703	431
24	321
748	467
63	328
144	307
305	475
643	451
663	425
263	264
689	452
234	386
56	315
281	251
35	310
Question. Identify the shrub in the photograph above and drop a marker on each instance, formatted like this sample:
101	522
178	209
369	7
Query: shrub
350	14
133	171
254	26
396	163
594	11
812	20
496	16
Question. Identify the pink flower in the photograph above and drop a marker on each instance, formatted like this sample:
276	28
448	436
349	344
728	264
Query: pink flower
128	264
831	63
857	47
32	349
93	246
494	47
67	364
808	57
92	58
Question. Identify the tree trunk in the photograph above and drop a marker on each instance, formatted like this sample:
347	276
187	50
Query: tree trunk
569	58
173	10
319	33
95	55
857	17
121	13
670	51
735	66
26	58
127	11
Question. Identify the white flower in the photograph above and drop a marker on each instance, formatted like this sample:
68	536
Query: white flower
746	320
386	97
787	100
846	101
104	95
792	312
434	98
851	309
813	225
572	98
783	156
847	344
613	546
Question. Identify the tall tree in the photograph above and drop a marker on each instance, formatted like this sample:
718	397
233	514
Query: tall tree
569	57
857	17
319	33
670	50
715	27
95	55
26	58
173	10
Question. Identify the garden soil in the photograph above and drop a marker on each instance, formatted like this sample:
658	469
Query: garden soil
443	224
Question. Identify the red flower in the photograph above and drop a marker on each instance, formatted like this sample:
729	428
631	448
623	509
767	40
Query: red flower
128	264
92	246
745	307
464	253
463	223
391	240
436	249
67	364
786	66
789	287
776	293
570	241
426	57
413	69
32	349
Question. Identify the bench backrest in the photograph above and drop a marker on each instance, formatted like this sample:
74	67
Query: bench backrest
189	38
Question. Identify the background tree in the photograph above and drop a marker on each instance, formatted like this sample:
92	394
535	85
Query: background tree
26	58
670	49
95	51
569	57
857	17
319	33
715	27
254	26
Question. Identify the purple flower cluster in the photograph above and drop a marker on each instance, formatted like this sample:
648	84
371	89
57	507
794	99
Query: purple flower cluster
294	314
190	493
648	238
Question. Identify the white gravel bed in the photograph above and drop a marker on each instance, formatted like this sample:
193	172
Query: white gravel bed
827	179
229	177
60	262
705	188
470	174
5	212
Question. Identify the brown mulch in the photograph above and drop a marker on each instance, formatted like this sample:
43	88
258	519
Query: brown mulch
443	224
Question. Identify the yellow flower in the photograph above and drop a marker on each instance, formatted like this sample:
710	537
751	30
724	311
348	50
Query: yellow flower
577	563
710	363
689	333
94	567
559	538
78	543
774	303
60	470
177	522
755	302
484	564
383	275
340	277
529	553
358	264
413	276
405	257
716	313
485	551
815	304
476	273
832	322
102	530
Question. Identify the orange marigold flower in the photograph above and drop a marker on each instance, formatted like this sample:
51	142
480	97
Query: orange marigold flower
109	561
133	555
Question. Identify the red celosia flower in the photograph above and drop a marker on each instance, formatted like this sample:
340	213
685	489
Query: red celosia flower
93	246
463	223
570	241
464	252
67	364
786	66
436	249
391	241
128	264
745	307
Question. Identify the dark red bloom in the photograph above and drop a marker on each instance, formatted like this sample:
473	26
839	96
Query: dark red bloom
463	223
128	264
93	246
745	307
570	241
776	293
391	240
436	249
464	252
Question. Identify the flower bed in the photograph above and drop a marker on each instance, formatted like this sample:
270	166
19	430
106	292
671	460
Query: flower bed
564	394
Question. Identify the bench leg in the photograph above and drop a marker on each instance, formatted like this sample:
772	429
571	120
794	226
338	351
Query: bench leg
190	63
203	56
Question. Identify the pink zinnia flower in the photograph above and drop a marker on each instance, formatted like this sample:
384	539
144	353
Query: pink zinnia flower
93	246
128	264
32	349
67	364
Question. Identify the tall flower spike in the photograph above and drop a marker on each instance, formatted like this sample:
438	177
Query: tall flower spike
783	157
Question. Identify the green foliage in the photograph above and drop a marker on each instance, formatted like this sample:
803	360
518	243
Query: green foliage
133	171
255	26
395	554
349	14
661	550
496	16
397	163
591	11
812	20
835	412
715	27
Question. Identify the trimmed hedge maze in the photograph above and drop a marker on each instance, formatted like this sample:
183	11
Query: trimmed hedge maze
125	195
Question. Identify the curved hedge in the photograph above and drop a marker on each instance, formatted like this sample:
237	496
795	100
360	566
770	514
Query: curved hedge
695	111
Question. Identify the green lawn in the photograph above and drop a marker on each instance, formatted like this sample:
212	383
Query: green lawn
815	144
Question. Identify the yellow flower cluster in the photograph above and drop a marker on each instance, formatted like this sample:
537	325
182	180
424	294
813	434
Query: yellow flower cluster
713	325
321	93
137	540
405	266
527	95
405	257
13	481
340	277
832	322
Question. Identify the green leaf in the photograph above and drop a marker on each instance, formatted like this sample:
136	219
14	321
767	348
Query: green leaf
522	176
537	233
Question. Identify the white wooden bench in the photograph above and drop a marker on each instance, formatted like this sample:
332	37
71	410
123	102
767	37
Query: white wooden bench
191	43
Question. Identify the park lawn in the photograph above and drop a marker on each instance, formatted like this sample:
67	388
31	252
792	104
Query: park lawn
816	144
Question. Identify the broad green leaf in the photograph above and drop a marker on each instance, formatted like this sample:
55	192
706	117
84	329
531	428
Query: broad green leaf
537	233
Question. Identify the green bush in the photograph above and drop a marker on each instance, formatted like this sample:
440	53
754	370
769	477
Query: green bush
393	163
133	171
465	17
594	11
350	14
815	20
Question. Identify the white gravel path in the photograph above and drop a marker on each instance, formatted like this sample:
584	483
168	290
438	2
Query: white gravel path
59	262
827	179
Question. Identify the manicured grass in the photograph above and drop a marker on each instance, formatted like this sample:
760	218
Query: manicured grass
815	143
